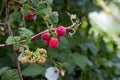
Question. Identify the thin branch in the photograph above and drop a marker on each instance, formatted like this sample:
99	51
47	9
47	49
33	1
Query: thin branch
73	25
68	28
37	35
7	18
18	66
3	45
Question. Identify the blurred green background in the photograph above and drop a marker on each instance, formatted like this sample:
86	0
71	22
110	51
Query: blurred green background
93	53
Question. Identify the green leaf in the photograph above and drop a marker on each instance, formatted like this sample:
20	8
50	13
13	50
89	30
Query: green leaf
81	60
49	2
10	40
16	45
33	70
83	46
52	52
25	33
53	18
26	8
35	2
70	65
2	70
15	16
92	48
6	60
64	43
43	9
10	75
13	40
17	38
27	41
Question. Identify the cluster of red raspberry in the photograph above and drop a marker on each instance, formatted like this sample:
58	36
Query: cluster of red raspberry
52	40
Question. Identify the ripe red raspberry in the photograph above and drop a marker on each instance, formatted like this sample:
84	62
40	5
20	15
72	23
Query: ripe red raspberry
45	36
61	31
53	43
30	16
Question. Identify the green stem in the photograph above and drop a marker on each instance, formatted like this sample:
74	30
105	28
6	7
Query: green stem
23	17
24	20
46	24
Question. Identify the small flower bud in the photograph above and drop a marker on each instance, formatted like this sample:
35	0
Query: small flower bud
24	60
42	51
42	60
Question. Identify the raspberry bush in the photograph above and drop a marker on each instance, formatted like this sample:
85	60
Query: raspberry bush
59	40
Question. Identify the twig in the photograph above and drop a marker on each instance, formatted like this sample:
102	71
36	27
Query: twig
7	18
3	45
18	66
36	35
11	34
68	28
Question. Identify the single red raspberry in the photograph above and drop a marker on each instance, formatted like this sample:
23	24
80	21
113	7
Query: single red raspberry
61	31
30	16
45	36
53	43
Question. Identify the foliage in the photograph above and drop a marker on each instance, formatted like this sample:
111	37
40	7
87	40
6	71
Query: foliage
92	53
